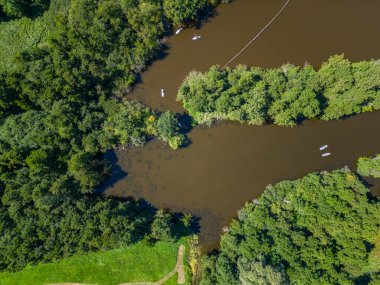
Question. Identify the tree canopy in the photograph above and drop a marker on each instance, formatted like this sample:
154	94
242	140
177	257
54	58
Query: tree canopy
369	166
315	230
19	8
285	95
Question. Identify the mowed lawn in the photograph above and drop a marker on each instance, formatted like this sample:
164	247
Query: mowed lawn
136	263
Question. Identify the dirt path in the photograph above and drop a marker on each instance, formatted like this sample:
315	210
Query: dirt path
179	268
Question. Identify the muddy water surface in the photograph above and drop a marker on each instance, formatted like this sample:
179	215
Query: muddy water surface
229	164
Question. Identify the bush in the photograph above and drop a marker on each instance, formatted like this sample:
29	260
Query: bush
369	166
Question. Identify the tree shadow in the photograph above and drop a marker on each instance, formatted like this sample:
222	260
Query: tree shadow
181	229
31	12
205	17
186	124
117	173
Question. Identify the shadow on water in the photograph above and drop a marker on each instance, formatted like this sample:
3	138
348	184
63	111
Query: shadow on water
205	17
117	172
186	123
190	223
162	53
373	184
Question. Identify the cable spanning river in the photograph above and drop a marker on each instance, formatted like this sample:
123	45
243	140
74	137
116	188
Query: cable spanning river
229	164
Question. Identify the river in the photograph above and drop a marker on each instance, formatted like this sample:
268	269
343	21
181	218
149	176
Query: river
229	164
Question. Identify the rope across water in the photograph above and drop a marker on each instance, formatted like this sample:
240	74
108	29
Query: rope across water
262	30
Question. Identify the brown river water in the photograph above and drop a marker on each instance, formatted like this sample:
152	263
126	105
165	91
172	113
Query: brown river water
229	164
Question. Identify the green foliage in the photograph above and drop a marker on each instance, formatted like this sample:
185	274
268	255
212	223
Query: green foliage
130	123
22	34
257	272
318	230
284	96
177	141
84	168
180	11
168	130
40	160
369	166
162	227
349	88
167	126
299	99
373	268
19	8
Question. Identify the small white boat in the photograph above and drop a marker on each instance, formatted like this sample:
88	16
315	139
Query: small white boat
196	37
326	154
162	93
178	31
323	147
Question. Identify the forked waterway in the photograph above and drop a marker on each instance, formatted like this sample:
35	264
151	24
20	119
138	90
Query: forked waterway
229	164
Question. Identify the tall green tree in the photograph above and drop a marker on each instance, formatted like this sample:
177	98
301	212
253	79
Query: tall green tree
315	230
368	166
180	11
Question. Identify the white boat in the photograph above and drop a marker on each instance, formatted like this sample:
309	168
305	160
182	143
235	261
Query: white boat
323	147
196	37
162	93
178	31
326	154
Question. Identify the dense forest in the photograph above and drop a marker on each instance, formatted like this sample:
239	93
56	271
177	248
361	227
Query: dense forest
316	230
369	166
284	96
62	106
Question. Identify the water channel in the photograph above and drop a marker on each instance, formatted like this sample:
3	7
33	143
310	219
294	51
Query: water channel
228	164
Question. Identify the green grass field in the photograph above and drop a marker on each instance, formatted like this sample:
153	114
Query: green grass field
136	263
21	34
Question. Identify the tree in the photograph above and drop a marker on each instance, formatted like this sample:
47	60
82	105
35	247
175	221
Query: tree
258	273
86	169
168	130
339	89
161	228
167	125
369	166
40	160
180	11
19	8
315	230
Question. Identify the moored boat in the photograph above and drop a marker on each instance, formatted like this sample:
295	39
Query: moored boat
179	30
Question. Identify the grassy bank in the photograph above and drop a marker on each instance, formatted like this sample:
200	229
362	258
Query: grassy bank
132	264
